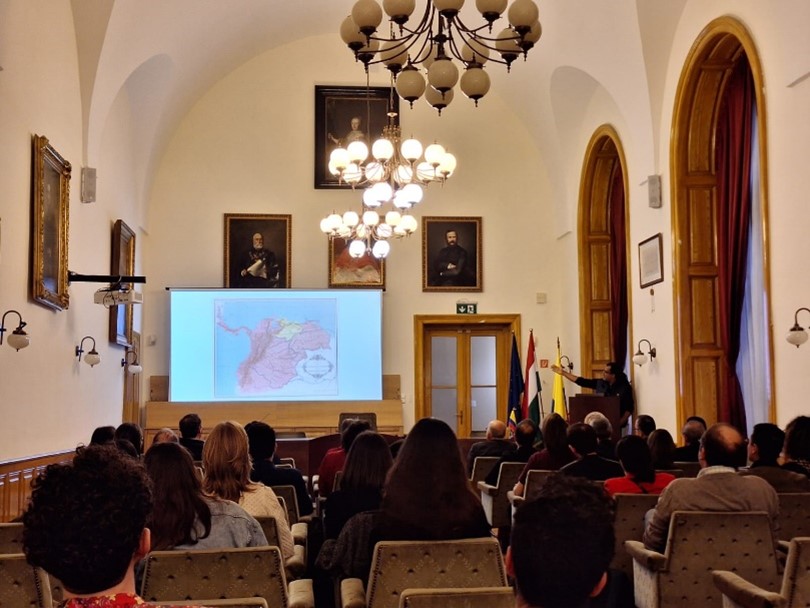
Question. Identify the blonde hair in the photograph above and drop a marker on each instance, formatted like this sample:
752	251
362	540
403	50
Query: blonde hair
226	461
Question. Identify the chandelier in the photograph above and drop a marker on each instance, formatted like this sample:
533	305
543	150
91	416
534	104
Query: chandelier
395	175
439	38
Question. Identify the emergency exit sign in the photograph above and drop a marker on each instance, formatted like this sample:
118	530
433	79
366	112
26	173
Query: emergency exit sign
466	308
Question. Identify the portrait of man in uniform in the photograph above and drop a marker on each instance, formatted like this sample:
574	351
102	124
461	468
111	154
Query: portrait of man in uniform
257	251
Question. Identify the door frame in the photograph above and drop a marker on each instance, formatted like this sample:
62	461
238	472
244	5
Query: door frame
422	324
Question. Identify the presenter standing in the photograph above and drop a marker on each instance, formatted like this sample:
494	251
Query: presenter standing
613	383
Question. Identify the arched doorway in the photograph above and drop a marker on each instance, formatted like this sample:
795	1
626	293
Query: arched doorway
702	370
603	254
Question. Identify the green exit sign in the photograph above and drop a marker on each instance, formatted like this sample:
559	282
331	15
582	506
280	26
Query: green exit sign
466	308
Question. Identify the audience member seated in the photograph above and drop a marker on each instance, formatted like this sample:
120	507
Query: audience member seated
262	442
164	435
643	426
604	434
361	485
797	446
427	497
692	431
662	449
716	488
190	432
639	475
497	443
562	545
582	441
525	436
764	449
129	431
335	458
86	526
102	435
227	476
555	453
183	517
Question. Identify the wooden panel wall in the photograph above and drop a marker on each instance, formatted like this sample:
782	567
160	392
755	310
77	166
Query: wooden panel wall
15	481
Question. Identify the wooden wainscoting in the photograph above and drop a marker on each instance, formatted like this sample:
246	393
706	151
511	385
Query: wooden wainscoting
15	481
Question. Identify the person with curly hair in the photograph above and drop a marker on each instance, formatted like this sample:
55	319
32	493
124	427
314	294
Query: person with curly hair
227	465
562	545
86	526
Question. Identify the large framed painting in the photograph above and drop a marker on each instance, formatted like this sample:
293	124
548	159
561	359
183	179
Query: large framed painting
122	264
257	250
345	271
344	115
651	261
49	226
451	254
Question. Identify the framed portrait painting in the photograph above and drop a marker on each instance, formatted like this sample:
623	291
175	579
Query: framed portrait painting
344	115
346	271
651	261
49	226
451	254
257	250
123	264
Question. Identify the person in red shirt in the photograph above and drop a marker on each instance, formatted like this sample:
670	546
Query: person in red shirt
335	458
640	476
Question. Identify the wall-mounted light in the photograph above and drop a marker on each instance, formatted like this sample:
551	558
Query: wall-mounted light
569	365
92	358
796	336
134	367
18	338
640	358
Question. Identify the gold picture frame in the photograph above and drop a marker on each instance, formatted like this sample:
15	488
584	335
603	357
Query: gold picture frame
455	266
366	272
122	264
240	232
49	226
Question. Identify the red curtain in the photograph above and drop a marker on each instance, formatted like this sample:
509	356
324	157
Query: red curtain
618	267
733	164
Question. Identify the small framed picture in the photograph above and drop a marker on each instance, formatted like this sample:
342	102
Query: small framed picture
123	264
257	250
451	254
344	115
49	238
651	261
345	271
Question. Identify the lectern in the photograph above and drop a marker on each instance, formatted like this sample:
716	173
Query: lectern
583	404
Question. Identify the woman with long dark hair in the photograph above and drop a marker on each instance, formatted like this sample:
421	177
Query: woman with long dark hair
361	485
227	465
640	476
555	453
662	449
184	518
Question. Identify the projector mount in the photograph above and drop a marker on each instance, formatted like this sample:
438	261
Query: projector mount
118	291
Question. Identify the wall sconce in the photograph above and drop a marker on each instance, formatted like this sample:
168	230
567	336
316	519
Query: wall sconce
134	367
18	338
796	336
569	365
92	358
640	358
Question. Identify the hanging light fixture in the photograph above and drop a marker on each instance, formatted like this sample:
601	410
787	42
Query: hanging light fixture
439	39
394	175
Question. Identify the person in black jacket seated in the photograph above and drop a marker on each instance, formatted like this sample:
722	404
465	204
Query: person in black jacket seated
582	441
525	435
613	382
262	442
692	431
190	431
361	485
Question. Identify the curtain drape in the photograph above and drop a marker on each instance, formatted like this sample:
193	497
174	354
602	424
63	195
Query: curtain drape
618	267
733	164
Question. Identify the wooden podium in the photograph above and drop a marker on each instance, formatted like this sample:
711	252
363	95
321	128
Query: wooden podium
583	404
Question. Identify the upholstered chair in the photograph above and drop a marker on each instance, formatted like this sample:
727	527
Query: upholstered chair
400	565
794	516
224	573
629	525
21	585
295	567
482	465
699	542
11	538
240	602
494	499
477	597
298	525
795	591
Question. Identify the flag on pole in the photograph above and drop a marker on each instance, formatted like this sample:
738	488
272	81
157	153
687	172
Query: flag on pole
513	413
532	406
558	392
